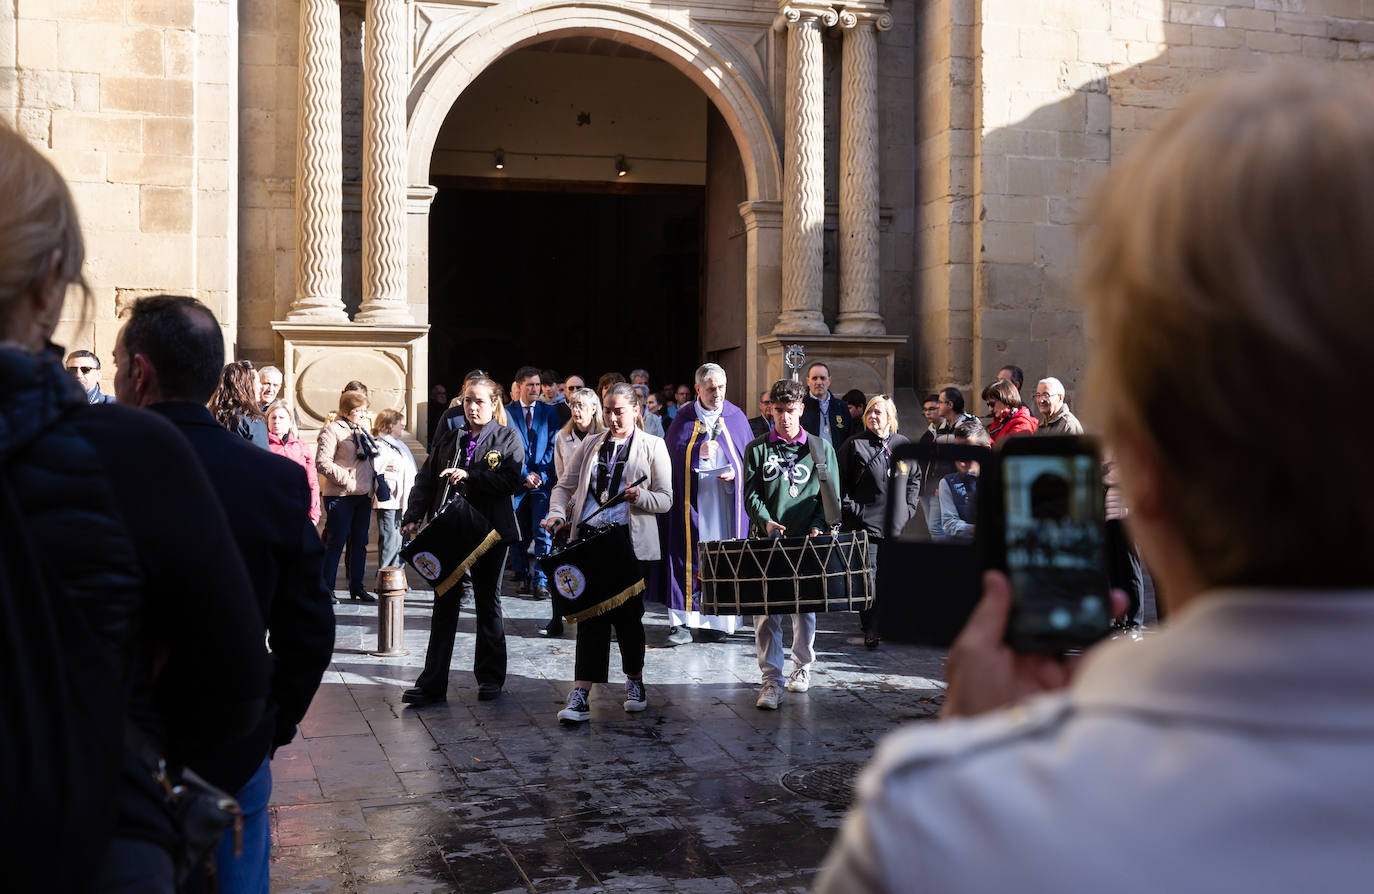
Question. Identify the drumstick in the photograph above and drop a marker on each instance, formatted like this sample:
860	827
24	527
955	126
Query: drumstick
616	500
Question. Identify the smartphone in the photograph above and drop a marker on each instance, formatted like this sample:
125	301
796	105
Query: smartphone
1047	533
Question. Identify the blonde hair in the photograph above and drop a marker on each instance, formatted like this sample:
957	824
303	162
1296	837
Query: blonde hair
276	405
498	413
586	396
37	222
1234	244
891	413
385	419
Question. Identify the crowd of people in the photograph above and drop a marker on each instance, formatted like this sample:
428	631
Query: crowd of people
180	644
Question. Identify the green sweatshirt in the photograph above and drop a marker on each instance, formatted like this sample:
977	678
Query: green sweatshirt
767	486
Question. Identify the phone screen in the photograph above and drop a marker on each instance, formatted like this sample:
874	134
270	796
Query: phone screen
1055	556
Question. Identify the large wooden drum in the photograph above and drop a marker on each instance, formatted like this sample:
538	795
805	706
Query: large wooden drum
825	573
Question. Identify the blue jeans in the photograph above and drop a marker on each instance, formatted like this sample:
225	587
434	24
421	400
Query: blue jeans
248	873
347	518
530	509
388	537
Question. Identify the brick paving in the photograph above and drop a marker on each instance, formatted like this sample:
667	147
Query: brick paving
498	796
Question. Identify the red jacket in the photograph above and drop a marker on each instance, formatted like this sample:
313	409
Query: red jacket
1018	422
296	449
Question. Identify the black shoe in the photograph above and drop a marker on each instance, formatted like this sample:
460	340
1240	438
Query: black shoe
542	592
552	628
362	596
488	691
703	635
871	640
419	698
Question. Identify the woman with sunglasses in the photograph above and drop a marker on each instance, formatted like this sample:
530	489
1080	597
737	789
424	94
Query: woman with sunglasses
866	474
1009	415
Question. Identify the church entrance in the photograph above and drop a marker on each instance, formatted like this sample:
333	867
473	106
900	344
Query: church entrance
587	219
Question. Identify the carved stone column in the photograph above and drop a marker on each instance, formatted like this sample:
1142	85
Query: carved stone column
319	169
803	193
859	268
385	79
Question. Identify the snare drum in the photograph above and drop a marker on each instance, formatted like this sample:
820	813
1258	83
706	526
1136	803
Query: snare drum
789	575
595	574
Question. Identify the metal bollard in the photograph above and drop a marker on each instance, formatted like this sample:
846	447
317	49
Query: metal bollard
391	612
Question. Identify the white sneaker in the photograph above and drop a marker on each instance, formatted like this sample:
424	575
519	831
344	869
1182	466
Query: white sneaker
577	711
636	699
769	697
799	680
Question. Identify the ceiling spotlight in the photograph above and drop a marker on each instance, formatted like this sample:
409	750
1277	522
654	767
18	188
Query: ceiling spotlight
621	169
500	159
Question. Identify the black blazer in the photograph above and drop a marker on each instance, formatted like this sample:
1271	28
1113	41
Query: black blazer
490	485
267	500
759	426
841	425
864	482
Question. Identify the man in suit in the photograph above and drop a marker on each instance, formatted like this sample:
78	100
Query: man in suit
537	423
825	415
169	355
762	424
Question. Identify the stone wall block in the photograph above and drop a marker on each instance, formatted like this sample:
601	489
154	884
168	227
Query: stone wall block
1250	19
1305	25
110	49
1268	42
167	13
1010	285
36	44
46	89
1341	9
1320	48
169	136
144	169
106	206
80	165
1003	325
77	130
1198	14
165	209
1008	242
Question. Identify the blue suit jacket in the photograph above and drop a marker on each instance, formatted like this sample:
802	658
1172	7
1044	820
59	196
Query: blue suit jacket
538	439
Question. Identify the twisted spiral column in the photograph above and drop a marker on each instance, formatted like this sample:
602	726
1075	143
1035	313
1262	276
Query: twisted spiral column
803	197
385	79
859	268
319	169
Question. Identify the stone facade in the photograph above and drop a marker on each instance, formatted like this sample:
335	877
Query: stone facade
912	172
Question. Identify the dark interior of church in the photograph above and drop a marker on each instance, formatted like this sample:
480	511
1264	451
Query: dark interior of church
580	280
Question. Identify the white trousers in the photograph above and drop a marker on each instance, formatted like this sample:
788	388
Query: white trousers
768	643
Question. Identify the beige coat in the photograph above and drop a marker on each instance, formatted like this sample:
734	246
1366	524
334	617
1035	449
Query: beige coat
1228	752
342	474
648	456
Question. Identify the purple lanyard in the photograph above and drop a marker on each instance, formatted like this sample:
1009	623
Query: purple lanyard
470	450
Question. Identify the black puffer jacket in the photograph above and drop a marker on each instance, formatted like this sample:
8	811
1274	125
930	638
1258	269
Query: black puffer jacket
121	515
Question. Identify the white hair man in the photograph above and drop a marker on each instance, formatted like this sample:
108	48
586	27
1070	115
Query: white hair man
706	443
1059	419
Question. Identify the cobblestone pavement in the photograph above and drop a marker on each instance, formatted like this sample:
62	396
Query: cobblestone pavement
688	796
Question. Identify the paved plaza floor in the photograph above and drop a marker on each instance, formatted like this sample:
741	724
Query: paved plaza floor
702	792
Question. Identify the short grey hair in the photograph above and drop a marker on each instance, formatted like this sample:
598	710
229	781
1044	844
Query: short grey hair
1056	386
268	369
635	373
642	391
709	371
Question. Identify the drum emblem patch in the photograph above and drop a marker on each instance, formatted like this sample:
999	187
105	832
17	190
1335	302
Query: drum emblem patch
493	459
428	565
569	581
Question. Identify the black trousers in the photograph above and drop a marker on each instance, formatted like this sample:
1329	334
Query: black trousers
489	660
1123	570
593	659
868	618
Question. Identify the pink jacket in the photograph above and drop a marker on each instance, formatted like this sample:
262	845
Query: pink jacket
297	450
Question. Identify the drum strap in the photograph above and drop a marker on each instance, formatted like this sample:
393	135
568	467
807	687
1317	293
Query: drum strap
832	506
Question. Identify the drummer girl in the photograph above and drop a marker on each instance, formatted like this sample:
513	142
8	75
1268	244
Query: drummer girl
605	465
483	461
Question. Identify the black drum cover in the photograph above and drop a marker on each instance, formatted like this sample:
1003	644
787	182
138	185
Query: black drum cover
447	547
596	574
788	575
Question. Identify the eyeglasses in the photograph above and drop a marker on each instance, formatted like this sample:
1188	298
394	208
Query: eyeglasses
82	370
1043	395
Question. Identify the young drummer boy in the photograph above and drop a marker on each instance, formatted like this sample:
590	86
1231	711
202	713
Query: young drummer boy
782	494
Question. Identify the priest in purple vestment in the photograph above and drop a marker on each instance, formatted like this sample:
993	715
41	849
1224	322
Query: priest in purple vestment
706	444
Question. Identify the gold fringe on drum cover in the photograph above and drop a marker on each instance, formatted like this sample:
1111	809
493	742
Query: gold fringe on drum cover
615	601
491	540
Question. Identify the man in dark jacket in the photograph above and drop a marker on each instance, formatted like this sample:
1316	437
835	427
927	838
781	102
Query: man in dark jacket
825	415
169	355
85	367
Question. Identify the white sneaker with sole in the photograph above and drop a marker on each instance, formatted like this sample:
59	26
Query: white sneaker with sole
769	697
799	680
636	699
577	711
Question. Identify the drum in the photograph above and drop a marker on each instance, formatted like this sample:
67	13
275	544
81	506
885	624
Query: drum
595	574
788	575
443	550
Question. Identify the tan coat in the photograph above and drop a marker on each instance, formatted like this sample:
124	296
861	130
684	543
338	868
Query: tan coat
648	456
342	474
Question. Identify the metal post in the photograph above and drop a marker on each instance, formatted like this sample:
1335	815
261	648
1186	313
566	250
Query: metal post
391	612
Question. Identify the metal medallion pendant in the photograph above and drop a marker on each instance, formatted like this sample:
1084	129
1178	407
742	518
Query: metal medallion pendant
605	495
793	491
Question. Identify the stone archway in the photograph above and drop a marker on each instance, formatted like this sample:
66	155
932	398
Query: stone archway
462	54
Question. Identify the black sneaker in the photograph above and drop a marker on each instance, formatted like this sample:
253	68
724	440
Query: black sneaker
577	710
636	699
